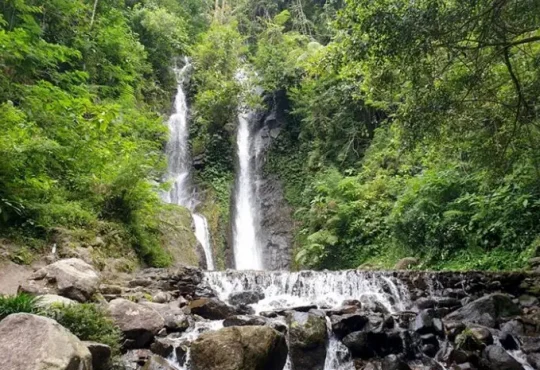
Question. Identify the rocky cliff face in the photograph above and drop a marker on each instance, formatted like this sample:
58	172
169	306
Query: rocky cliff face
276	215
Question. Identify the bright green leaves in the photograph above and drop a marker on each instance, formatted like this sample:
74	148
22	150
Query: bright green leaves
79	141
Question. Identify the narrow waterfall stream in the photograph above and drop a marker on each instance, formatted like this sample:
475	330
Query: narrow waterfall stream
179	165
246	245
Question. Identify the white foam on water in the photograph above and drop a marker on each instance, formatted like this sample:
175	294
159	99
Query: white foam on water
324	289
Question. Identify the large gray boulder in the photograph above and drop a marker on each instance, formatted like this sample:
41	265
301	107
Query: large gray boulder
343	325
72	278
31	342
239	348
138	323
307	340
245	297
175	319
485	311
211	308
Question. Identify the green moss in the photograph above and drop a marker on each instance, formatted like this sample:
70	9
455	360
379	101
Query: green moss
176	235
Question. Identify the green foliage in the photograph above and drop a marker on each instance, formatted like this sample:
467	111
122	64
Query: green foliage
18	303
80	100
414	140
88	322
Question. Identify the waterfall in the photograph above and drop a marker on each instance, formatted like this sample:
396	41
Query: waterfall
246	245
202	234
324	289
179	164
284	289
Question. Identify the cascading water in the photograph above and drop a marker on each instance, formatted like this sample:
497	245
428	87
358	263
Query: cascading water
202	234
324	289
246	246
179	165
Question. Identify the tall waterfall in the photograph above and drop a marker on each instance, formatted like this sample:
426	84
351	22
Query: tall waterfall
246	245
179	165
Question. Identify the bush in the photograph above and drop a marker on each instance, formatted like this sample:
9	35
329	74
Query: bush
88	322
17	303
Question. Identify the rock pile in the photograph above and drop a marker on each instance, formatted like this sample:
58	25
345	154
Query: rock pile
455	321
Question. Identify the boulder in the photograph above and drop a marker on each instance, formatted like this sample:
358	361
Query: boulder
48	300
239	348
245	297
450	355
31	342
307	340
482	335
72	278
425	303
514	327
211	308
163	347
406	263
138	323
101	355
527	301
486	311
497	358
175	319
370	344
161	297
245	320
427	323
346	324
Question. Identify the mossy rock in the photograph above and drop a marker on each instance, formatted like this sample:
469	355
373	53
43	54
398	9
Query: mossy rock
177	237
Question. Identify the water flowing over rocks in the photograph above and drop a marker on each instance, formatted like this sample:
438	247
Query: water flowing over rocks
187	319
31	342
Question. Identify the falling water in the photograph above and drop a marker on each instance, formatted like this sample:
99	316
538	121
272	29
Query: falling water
247	254
179	164
203	236
322	288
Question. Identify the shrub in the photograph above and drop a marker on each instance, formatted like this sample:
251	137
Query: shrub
17	303
88	322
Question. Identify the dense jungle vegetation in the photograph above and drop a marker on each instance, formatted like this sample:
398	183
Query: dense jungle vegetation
412	128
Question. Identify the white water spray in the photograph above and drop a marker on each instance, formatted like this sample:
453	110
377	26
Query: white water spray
203	236
246	245
321	288
179	165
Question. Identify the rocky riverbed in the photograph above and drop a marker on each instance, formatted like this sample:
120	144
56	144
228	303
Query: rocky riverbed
185	318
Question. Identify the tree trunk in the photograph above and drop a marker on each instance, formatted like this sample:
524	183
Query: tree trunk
93	13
